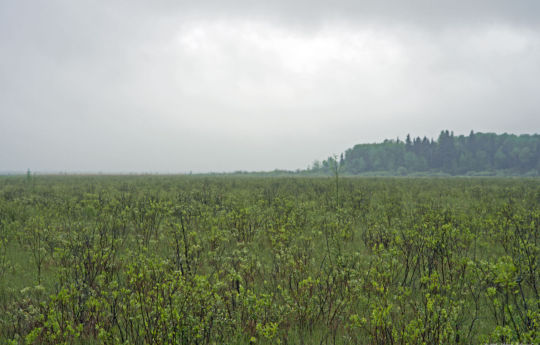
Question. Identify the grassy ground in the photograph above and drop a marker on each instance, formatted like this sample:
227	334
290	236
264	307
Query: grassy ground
291	260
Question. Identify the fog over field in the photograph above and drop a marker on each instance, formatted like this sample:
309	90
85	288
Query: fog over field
178	86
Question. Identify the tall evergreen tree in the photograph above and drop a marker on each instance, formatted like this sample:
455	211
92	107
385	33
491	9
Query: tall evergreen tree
477	153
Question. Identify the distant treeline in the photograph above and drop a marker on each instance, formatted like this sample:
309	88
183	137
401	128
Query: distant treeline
475	154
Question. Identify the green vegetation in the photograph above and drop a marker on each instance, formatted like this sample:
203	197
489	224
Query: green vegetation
480	154
248	260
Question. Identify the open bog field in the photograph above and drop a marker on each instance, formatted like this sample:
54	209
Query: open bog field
248	260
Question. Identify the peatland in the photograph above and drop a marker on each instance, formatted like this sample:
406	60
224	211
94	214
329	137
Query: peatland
250	260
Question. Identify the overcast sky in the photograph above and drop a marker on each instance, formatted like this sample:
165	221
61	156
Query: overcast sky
179	86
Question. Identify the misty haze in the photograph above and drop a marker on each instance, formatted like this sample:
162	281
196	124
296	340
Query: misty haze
270	172
173	87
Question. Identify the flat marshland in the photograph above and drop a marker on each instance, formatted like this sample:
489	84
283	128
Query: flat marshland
250	260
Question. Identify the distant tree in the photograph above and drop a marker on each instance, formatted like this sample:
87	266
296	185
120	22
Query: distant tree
477	152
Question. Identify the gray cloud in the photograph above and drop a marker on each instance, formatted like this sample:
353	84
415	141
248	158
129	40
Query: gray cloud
314	12
173	86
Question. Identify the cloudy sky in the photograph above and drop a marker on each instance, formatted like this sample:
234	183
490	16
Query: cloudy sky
179	86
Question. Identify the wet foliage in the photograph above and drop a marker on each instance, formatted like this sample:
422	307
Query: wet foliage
245	260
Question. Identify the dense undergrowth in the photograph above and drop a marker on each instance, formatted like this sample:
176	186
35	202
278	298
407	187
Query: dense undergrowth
198	260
